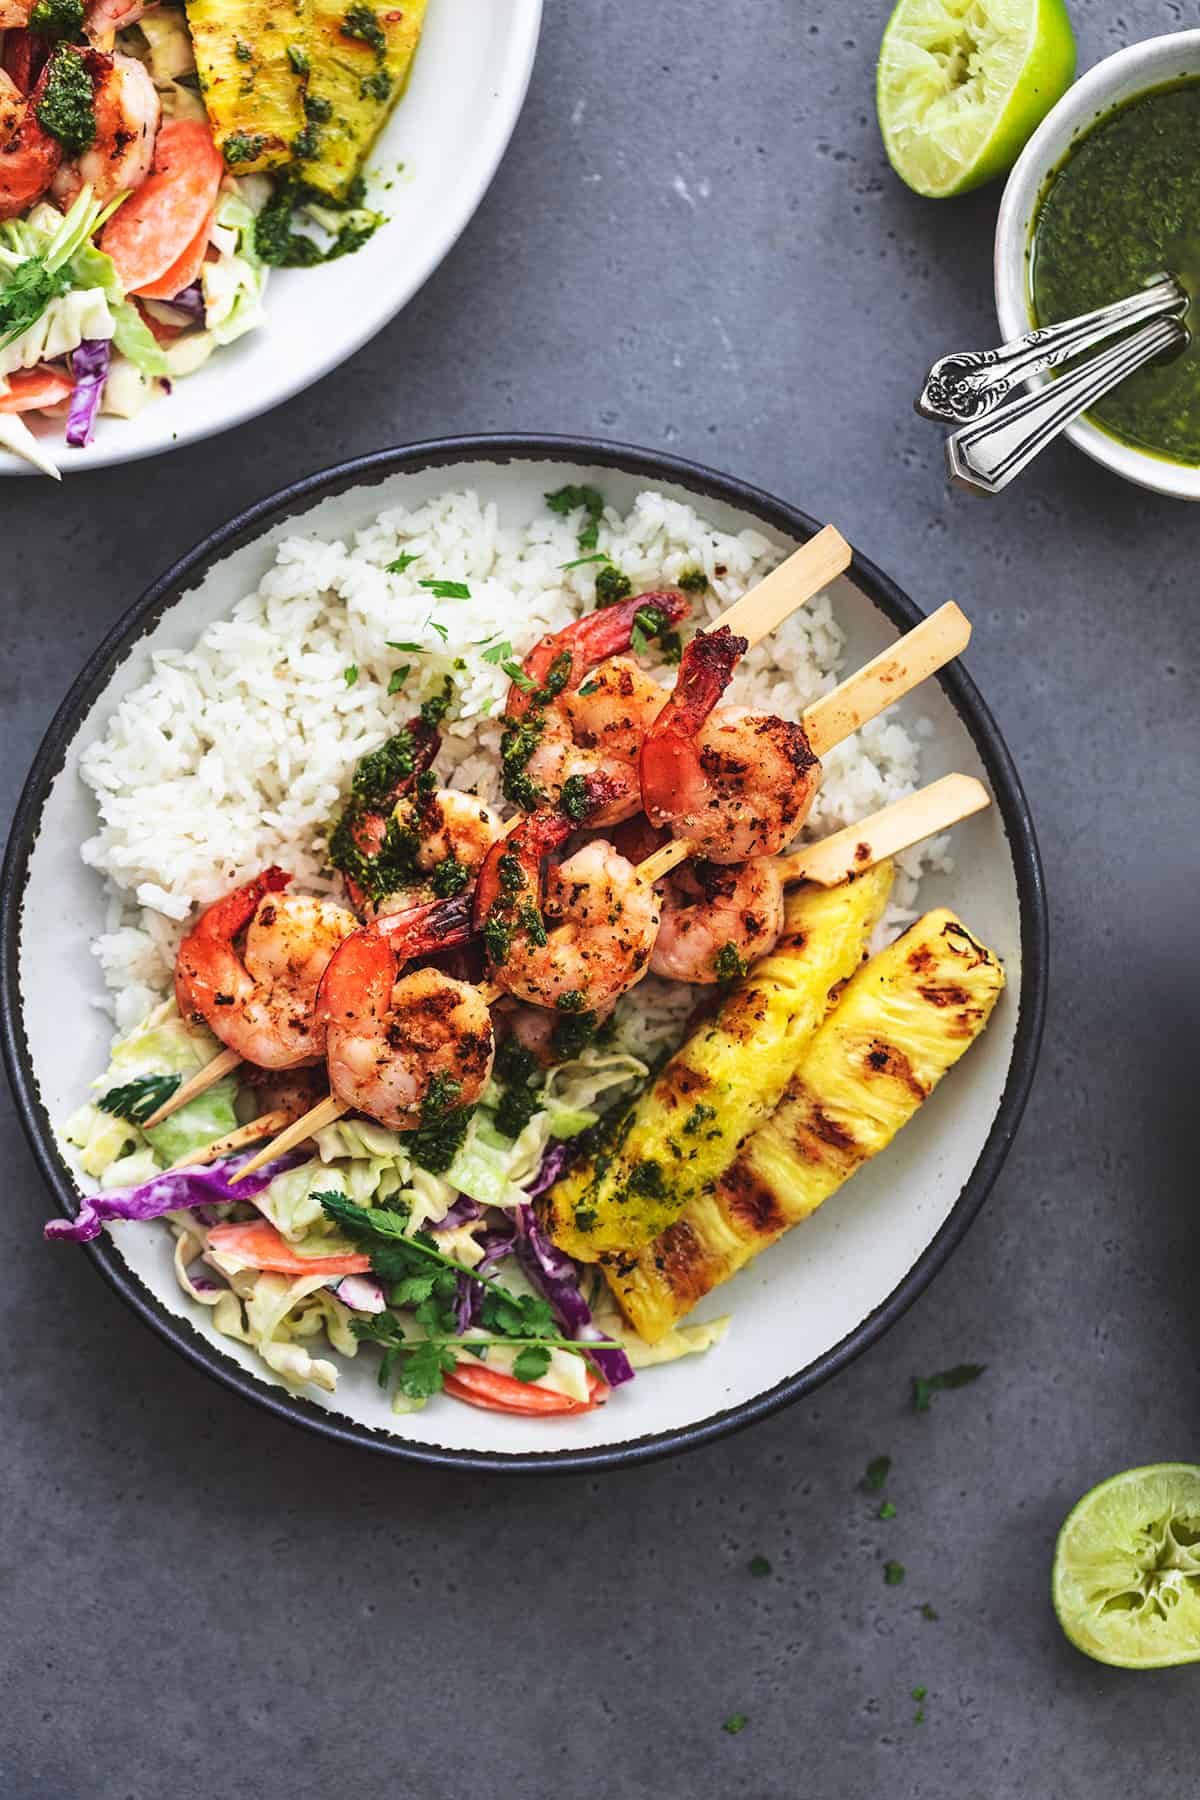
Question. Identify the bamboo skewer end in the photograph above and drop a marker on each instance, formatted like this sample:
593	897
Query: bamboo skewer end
326	1112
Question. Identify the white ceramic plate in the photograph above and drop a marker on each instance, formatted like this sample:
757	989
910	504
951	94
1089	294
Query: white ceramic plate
805	1306
449	131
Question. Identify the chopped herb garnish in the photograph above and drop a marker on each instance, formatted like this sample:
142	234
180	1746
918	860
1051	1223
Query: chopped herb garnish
572	1001
924	1387
734	1723
67	108
242	50
57	18
600	556
893	1573
877	1473
759	1565
567	499
404	561
298	59
699	1115
441	1094
572	1034
516	673
575	797
612	585
434	710
398	677
670	648
648	621
449	877
918	1694
247	146
442	630
728	964
29	292
446	590
693	581
497	938
361	23
375	87
135	1100
498	652
589	687
350	674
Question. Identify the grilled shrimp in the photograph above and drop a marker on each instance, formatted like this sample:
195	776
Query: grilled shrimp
128	114
29	156
563	725
259	999
404	1048
574	938
717	919
102	19
735	784
541	1032
453	833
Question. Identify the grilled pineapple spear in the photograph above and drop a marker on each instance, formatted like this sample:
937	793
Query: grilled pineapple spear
249	57
359	59
902	1022
688	1125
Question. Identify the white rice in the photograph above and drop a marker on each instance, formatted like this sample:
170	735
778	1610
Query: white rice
239	752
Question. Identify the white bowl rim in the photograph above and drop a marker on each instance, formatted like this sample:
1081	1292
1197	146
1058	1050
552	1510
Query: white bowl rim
515	78
1080	106
579	454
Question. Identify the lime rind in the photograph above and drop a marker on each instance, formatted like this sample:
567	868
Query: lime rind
962	85
1126	1581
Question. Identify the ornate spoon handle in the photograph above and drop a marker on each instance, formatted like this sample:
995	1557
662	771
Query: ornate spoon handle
969	383
985	456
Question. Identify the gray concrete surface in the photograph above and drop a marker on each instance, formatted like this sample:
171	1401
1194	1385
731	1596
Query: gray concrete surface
695	243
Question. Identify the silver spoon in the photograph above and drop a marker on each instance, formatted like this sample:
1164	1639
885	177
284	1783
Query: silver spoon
968	383
986	455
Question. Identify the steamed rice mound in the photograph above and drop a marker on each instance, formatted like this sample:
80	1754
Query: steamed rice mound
239	752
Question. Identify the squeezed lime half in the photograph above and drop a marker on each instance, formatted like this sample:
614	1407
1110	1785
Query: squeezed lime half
1126	1582
962	85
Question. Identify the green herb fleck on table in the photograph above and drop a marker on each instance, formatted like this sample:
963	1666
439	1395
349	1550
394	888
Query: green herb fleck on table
758	1565
893	1573
924	1387
918	1694
877	1473
928	1612
734	1723
887	1510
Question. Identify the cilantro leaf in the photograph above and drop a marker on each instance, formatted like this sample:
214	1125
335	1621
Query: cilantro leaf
447	590
600	556
404	561
925	1386
442	630
29	290
412	649
423	1370
498	652
410	1290
567	499
398	678
136	1100
350	674
530	1363
516	673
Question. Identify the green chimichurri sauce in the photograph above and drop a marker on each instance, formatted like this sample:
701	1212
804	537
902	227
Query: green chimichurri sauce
1123	206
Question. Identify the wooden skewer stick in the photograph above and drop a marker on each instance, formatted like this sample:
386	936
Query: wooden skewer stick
894	828
862	696
223	1063
792	585
835	858
265	1126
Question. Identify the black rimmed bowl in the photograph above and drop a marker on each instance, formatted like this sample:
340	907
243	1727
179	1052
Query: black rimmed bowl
803	1309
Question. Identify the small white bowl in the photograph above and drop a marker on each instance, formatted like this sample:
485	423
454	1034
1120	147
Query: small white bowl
1118	78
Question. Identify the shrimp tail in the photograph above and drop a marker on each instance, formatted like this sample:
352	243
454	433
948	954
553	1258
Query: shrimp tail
559	661
423	930
670	756
365	966
216	927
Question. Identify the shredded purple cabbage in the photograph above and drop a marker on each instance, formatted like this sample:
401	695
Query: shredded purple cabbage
557	1277
462	1212
89	366
172	1190
468	1304
554	1161
190	300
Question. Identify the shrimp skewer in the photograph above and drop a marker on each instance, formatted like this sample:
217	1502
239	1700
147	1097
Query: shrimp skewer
723	776
396	1041
257	999
894	828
